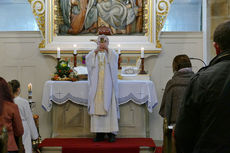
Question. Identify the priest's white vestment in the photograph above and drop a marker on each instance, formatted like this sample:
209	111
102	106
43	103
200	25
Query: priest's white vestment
103	91
30	130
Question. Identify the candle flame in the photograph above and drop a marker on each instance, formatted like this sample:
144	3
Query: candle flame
30	87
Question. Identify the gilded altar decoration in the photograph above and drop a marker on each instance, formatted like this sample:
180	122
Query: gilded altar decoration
38	7
163	7
134	24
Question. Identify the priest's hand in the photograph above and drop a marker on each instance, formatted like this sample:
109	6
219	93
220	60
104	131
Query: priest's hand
104	46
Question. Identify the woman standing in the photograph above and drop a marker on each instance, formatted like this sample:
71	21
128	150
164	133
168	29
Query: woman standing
175	88
26	115
9	116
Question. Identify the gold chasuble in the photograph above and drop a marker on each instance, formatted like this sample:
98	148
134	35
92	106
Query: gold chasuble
99	97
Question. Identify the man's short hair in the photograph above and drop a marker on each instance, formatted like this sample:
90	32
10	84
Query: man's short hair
222	35
181	61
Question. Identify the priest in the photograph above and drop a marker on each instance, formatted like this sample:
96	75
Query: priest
102	65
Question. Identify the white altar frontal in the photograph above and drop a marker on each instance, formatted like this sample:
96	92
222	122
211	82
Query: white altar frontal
68	101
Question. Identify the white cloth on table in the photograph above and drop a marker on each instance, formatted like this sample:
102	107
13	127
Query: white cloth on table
137	91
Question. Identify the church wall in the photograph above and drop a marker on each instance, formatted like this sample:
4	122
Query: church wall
21	59
218	12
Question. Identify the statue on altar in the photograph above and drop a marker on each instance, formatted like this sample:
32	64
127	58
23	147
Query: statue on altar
102	65
86	16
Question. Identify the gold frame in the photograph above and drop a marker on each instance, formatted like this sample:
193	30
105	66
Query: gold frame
159	8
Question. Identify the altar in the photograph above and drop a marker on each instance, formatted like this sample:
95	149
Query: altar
68	101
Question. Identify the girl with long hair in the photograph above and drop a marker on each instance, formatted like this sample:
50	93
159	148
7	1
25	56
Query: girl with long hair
9	116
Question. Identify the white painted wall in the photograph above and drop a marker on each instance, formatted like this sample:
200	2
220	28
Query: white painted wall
21	59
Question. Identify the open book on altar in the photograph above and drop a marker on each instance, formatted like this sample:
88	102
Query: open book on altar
80	70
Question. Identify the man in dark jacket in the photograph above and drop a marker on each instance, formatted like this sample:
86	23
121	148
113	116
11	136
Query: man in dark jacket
203	125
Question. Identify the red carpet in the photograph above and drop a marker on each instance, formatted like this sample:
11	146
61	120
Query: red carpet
86	145
158	149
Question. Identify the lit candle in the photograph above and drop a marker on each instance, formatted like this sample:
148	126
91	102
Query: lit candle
142	52
30	92
119	49
75	49
58	52
30	87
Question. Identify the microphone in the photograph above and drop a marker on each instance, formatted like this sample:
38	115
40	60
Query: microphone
194	58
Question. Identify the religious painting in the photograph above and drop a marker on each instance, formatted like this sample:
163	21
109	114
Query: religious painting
134	24
84	17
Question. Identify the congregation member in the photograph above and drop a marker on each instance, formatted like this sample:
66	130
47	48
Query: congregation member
203	123
30	130
9	116
175	88
102	65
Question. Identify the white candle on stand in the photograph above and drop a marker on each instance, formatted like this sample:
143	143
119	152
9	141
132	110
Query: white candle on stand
119	49
142	52
75	49
58	52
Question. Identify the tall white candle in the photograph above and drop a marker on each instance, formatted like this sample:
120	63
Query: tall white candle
119	49
58	52
75	49
142	52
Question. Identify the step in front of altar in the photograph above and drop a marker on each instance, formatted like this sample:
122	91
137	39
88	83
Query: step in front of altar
59	150
86	145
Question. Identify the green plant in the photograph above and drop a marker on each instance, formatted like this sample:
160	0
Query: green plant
63	69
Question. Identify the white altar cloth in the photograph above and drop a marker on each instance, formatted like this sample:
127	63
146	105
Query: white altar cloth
59	92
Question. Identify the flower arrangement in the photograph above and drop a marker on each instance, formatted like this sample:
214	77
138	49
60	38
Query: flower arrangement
63	69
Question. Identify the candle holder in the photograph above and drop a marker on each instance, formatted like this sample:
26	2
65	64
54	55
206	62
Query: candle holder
30	96
58	59
142	67
75	60
119	62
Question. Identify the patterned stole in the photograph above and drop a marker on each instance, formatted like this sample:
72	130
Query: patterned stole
99	97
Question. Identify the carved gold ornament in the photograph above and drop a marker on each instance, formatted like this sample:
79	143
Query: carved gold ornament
163	7
38	7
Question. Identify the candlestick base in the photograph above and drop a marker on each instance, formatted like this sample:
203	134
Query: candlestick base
142	72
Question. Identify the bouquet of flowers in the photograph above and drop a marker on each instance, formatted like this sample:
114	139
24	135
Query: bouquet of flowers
63	71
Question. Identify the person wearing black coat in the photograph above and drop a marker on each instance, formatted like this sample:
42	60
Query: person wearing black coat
203	124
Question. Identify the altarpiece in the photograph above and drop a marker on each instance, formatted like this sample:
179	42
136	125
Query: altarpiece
135	24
